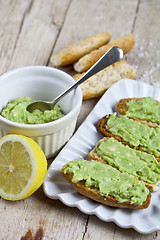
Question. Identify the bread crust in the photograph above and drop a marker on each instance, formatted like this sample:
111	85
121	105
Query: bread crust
126	43
72	52
122	109
96	85
94	194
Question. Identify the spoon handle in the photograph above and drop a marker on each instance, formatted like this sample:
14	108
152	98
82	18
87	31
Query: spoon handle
113	55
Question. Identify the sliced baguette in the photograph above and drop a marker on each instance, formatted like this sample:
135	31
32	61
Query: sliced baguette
77	49
94	194
126	43
93	155
122	108
102	124
96	85
122	105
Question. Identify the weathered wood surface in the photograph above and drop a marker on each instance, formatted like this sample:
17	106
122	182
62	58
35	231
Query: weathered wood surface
30	31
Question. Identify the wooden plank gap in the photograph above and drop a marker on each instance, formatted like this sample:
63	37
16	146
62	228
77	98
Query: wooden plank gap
135	17
60	28
27	11
156	235
115	230
86	227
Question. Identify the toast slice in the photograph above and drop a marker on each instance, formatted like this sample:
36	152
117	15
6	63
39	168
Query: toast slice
122	108
96	85
72	52
97	193
132	133
122	105
126	43
139	164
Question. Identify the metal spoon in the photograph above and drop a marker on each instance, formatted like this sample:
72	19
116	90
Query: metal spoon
111	56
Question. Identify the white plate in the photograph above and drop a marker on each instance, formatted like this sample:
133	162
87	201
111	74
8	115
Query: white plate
56	187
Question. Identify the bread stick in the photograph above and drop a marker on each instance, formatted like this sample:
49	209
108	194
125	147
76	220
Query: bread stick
72	52
96	85
126	43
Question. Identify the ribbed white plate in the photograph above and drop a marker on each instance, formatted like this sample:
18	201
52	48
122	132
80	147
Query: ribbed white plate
56	187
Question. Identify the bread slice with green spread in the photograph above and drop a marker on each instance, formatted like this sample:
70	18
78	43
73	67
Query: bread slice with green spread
133	133
105	184
141	165
146	110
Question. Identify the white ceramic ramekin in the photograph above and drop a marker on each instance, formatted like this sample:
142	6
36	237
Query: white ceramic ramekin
43	83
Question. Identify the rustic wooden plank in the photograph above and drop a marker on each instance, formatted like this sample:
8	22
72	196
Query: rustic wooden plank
38	213
91	17
38	33
99	230
146	54
11	18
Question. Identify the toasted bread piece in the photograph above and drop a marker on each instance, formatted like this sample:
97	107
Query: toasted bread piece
94	155
102	124
93	193
72	52
126	43
122	108
96	85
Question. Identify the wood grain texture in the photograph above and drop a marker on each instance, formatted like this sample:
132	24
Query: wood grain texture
39	31
145	56
12	15
30	31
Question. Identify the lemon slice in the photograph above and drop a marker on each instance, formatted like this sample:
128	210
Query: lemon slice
23	167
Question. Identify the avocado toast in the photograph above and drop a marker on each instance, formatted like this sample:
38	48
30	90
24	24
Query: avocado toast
141	165
133	133
145	109
105	184
130	148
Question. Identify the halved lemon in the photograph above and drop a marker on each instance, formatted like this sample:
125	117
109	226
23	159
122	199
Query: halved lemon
23	167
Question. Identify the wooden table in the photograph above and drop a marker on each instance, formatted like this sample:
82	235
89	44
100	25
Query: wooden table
30	31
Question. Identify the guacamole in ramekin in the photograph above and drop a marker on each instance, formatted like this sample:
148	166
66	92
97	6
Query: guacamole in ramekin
16	111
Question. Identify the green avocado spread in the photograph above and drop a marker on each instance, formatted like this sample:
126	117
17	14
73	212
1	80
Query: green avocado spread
142	165
135	133
108	180
145	108
16	112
